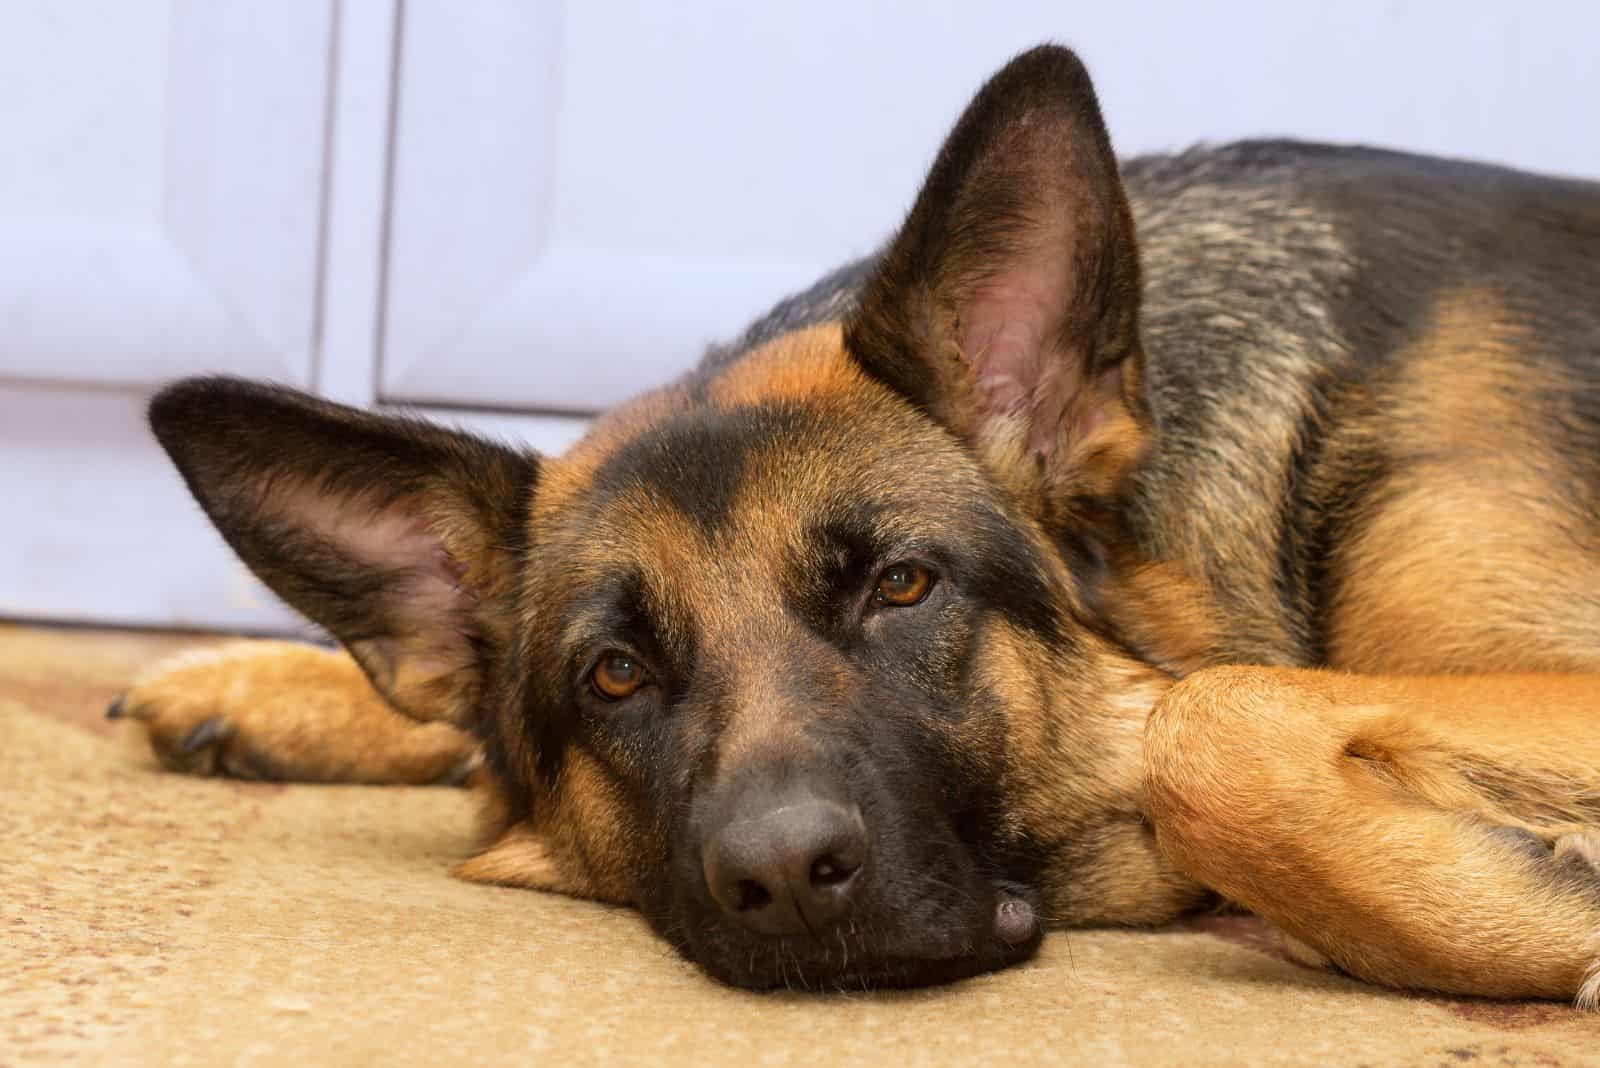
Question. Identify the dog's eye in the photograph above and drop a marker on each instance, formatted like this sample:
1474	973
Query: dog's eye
903	585
617	675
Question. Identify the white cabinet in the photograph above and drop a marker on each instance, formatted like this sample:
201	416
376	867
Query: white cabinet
568	227
184	188
161	205
160	189
514	212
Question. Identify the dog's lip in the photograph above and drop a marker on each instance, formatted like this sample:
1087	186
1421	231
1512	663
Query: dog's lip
889	973
1016	932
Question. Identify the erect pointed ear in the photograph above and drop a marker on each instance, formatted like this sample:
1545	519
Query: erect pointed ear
1008	305
400	537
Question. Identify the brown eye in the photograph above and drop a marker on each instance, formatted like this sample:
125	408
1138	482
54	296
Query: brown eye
904	585
616	676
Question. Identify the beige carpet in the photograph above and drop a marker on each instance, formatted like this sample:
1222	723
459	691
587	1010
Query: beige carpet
147	918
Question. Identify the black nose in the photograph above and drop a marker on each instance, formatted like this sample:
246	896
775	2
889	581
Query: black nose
793	866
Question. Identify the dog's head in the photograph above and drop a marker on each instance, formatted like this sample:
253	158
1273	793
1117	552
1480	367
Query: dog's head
802	655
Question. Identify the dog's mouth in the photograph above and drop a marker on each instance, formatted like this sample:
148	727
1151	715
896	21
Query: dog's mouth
794	881
855	956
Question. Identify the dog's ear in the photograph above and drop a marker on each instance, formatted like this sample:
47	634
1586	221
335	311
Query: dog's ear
1008	305
400	537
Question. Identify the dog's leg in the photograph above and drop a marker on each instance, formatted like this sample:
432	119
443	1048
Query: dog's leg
1433	833
284	711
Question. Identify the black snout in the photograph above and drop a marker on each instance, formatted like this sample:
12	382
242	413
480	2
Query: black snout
787	866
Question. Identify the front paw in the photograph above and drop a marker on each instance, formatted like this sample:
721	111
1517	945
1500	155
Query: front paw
206	748
281	711
191	707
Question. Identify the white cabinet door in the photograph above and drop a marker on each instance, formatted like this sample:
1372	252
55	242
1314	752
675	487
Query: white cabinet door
161	177
557	238
160	188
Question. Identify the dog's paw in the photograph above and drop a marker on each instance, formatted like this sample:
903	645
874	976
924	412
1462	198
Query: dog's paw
285	712
1578	852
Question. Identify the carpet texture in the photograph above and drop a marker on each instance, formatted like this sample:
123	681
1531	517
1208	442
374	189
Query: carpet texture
147	918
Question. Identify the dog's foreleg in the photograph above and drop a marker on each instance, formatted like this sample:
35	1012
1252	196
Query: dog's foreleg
285	711
1432	833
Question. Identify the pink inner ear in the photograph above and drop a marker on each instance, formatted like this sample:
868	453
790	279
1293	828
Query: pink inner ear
1010	324
395	537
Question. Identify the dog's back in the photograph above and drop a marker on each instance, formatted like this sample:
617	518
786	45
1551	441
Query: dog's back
1375	378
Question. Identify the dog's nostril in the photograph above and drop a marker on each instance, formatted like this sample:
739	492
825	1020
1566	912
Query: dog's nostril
829	870
752	895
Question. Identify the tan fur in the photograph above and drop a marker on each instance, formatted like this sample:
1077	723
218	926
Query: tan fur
579	843
591	832
1582	846
802	365
1080	783
522	858
766	724
289	711
1476	557
1087	467
1165	613
1345	811
565	478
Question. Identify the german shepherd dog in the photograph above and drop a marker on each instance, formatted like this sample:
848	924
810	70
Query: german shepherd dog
1023	574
